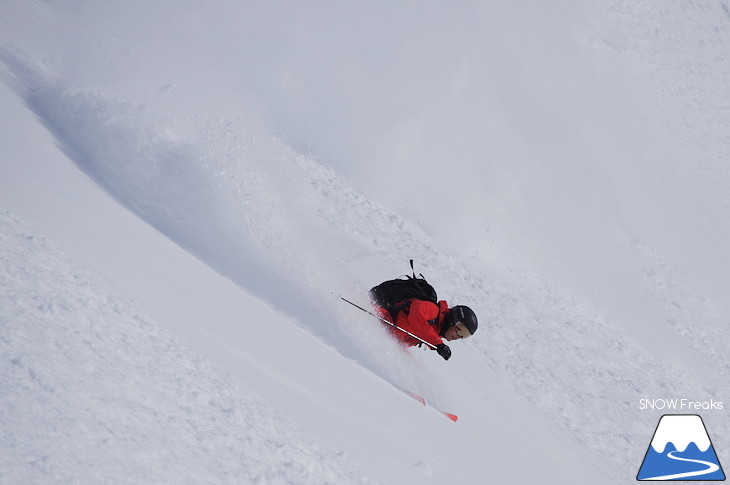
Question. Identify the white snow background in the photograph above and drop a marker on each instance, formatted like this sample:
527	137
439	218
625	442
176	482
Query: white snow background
186	186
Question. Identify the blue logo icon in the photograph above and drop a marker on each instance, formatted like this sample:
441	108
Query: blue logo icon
681	450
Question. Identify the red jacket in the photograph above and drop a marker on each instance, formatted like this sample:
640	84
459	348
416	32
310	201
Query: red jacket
421	318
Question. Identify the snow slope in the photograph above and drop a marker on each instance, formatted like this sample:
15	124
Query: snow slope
185	185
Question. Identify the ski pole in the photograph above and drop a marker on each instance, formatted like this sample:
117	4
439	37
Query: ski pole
430	345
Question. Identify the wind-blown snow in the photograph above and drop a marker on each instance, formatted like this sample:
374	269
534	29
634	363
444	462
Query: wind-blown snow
187	187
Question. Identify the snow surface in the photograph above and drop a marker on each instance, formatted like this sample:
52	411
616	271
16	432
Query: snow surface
187	186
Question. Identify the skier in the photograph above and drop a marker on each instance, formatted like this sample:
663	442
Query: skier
422	315
432	323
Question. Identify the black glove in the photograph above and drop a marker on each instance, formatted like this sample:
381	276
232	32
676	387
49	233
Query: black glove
444	351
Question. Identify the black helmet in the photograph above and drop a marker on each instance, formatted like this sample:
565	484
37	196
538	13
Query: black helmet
464	315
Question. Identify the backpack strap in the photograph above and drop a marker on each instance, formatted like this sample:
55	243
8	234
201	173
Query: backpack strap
404	306
414	272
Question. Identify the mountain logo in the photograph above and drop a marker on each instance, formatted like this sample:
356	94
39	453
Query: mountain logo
680	450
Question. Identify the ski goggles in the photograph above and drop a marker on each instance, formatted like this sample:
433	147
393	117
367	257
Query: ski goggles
462	331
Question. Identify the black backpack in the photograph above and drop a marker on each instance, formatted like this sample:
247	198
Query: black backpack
392	294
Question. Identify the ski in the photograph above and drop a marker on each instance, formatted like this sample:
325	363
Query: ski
419	398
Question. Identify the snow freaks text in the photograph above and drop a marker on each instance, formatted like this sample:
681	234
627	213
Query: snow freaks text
680	405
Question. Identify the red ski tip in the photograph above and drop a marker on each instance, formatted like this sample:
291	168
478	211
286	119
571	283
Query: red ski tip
452	417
